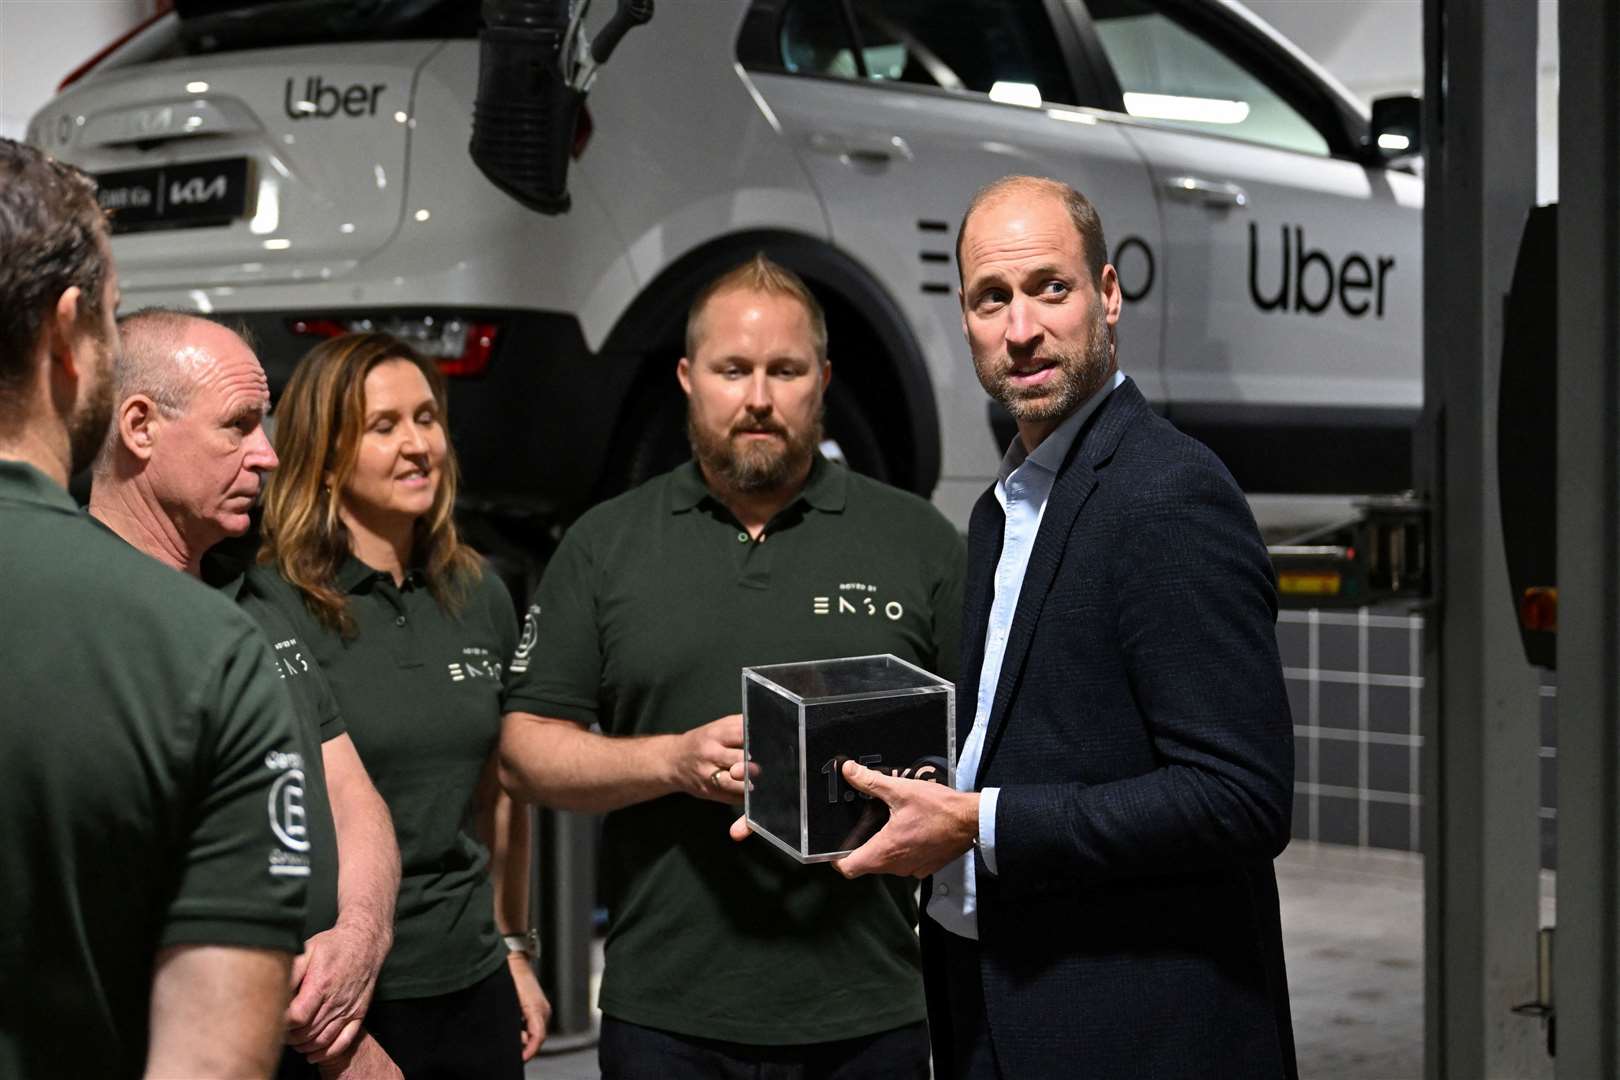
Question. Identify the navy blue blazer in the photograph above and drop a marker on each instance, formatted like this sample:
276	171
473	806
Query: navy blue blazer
1142	742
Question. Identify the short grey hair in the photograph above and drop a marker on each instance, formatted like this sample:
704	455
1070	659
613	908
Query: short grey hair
151	338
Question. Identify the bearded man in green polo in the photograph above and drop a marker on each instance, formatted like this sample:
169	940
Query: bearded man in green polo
723	957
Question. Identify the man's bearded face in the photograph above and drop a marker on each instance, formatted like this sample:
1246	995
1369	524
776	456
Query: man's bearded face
742	460
1079	370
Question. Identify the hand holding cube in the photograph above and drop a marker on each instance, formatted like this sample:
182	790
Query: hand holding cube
929	825
706	759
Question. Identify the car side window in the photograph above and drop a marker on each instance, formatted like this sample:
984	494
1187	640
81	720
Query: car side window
1006	51
1170	74
816	41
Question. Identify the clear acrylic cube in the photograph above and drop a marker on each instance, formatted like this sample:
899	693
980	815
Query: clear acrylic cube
802	721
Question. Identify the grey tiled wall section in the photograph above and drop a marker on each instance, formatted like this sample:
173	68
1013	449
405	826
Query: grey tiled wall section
1549	770
1354	679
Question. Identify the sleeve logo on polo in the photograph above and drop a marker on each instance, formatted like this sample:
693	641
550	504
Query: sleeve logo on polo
531	634
856	598
288	820
290	658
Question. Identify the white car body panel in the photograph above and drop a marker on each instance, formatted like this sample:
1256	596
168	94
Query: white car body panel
1220	346
313	176
375	203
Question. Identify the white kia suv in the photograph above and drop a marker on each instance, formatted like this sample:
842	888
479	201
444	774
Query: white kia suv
304	166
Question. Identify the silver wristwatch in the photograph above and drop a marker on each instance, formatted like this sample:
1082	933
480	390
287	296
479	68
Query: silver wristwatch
527	943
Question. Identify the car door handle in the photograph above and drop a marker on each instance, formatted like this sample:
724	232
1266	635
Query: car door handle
1212	193
868	150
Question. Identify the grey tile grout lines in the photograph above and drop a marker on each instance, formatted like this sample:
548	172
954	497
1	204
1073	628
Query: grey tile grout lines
1320	617
1323	731
1366	678
1362	779
1316	732
1313	694
1414	654
1396	798
1383	738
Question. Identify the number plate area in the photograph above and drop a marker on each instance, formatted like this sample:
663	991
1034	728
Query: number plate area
193	195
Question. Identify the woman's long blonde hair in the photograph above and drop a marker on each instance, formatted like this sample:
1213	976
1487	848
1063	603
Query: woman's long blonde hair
319	423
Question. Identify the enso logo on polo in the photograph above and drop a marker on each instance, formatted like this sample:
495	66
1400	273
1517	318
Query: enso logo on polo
856	598
476	663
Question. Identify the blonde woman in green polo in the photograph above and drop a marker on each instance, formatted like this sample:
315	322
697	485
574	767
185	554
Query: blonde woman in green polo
414	632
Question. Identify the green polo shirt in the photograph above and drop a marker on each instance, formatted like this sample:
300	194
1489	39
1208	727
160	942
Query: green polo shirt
152	792
645	617
320	718
421	694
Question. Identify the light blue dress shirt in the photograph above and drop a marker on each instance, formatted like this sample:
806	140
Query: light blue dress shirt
1022	486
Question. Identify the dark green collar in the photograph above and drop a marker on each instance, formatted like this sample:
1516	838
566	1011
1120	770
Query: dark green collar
21	482
354	573
225	574
218	572
824	489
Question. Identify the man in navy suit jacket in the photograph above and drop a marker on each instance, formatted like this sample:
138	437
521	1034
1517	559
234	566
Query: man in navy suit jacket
1102	901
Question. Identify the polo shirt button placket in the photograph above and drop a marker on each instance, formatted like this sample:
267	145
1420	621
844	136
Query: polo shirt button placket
399	620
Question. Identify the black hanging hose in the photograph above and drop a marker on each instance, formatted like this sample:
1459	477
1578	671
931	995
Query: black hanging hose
527	105
524	115
631	14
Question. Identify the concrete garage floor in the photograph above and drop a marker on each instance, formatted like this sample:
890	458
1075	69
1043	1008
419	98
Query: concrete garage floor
1353	933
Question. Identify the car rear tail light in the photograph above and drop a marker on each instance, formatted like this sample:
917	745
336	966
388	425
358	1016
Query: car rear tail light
457	345
163	8
1538	609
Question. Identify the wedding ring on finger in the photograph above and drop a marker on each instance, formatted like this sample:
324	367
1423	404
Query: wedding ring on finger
714	778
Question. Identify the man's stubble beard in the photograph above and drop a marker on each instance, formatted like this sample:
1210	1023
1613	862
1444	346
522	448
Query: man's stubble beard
758	466
87	427
1080	373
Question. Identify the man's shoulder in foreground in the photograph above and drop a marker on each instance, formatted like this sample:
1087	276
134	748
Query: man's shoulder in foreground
122	720
1151	442
53	549
1172	487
